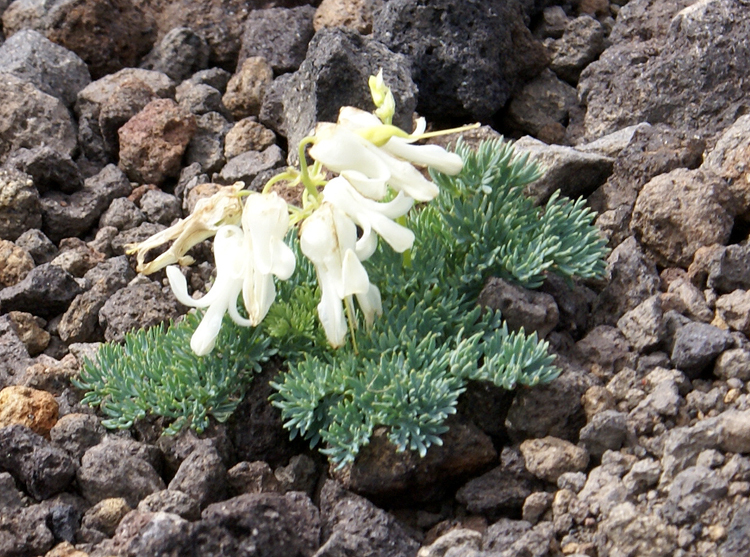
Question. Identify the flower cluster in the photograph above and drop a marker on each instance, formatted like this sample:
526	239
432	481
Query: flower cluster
376	185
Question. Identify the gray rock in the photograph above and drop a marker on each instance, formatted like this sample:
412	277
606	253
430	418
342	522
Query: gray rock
661	75
199	98
108	103
737	542
735	431
207	145
171	501
301	474
334	74
467	59
549	458
573	481
51	68
215	77
733	308
122	214
643	475
41	248
604	490
252	477
181	53
554	21
31	117
573	302
543	102
146	533
25	531
121	240
697	345
280	35
19	204
272	110
114	468
76	433
521	308
160	207
682	445
42	468
607	430
632	277
553	409
733	363
582	43
72	215
539	503
503	489
725	160
14	356
644	325
627	531
46	291
607	348
64	522
573	172
48	168
730	269
247	166
351	525
613	144
691	493
141	304
202	475
10	496
280	524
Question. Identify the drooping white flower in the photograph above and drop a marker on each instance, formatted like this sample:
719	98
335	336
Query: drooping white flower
371	216
328	238
222	298
265	222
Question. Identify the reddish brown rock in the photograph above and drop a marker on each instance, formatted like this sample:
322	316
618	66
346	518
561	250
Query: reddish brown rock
354	14
29	407
247	135
153	141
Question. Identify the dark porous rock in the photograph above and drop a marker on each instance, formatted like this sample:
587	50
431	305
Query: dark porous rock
651	150
272	110
691	493
10	496
80	323
50	67
19	204
108	103
199	98
63	520
252	477
574	173
46	291
543	103
335	74
380	470
552	409
153	141
682	445
116	469
176	448
171	501
535	312
108	35
279	35
25	532
697	345
679	212
120	242
632	277
48	168
500	491
141	304
723	268
41	467
76	433
31	117
41	248
354	526
160	207
661	75
14	356
276	525
122	214
247	166
73	215
207	145
504	533
582	43
301	474
202	475
179	54
77	257
737	542
467	58
539	540
213	77
607	431
644	325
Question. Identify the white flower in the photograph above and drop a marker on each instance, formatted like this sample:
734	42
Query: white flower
246	260
265	221
371	155
328	238
230	271
371	215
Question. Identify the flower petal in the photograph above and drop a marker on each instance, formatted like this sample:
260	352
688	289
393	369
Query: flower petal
370	304
433	156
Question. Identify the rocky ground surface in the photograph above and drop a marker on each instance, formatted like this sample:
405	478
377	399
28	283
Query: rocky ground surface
117	115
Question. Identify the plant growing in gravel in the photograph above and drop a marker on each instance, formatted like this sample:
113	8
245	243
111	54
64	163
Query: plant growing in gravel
402	355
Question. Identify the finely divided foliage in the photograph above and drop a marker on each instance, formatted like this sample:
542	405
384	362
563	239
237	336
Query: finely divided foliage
405	373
